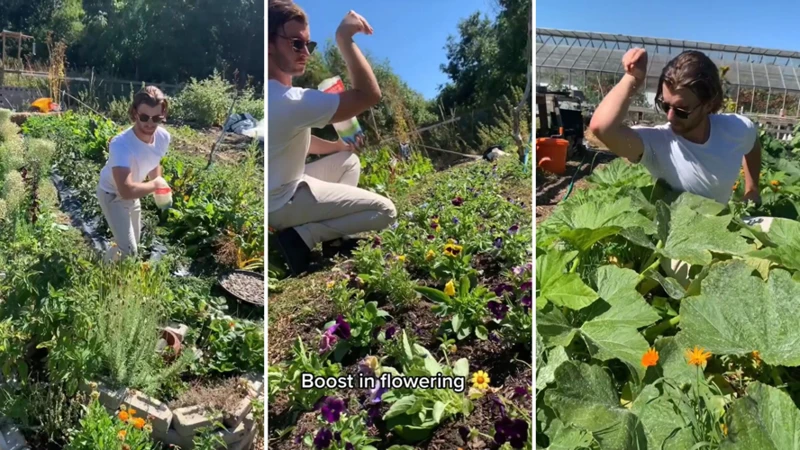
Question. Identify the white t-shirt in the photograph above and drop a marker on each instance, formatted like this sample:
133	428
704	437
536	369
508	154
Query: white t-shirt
127	150
710	169
293	111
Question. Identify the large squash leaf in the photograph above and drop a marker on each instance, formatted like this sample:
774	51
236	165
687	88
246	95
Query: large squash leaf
554	284
765	419
737	313
614	332
585	398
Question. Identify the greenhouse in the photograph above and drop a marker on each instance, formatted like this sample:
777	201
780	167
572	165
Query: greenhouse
759	81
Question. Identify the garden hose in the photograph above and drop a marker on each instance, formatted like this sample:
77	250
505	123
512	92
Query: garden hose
574	175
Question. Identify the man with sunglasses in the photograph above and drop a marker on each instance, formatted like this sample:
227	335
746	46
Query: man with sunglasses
318	202
133	155
698	150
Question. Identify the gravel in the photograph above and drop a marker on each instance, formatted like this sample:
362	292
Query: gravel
248	287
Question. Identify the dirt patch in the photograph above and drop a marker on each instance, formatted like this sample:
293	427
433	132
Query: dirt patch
552	188
220	396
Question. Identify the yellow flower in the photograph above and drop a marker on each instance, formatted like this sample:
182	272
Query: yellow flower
480	380
371	362
697	357
121	435
453	348
95	395
331	284
148	428
724	429
429	255
452	249
123	416
401	258
757	357
650	358
93	386
122	407
775	182
450	288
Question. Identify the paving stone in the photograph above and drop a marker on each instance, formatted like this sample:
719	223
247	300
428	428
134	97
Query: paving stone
247	442
187	420
11	438
146	406
241	410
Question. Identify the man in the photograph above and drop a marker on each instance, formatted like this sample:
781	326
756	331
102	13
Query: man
133	155
698	150
318	202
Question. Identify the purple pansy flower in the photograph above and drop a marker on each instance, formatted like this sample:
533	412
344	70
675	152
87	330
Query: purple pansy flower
332	408
464	433
376	393
494	337
526	286
526	301
376	242
498	309
342	328
349	446
431	237
326	342
513	431
373	414
390	331
458	201
517	270
520	391
498	243
323	439
514	229
455	220
501	288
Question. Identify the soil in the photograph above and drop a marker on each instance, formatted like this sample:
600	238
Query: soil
551	188
231	150
221	396
248	287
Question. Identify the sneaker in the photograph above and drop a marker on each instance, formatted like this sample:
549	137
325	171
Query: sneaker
295	251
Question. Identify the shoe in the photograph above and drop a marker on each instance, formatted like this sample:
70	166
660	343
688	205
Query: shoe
295	251
343	246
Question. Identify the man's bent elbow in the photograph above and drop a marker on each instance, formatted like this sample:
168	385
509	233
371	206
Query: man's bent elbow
374	96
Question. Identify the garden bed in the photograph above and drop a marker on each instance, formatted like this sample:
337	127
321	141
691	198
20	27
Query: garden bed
461	240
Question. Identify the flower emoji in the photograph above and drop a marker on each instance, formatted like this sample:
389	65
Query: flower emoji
480	380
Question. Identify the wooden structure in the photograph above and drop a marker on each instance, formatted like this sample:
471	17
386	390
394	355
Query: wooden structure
6	36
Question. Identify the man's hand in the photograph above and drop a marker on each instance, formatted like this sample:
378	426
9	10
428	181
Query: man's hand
352	24
635	63
752	195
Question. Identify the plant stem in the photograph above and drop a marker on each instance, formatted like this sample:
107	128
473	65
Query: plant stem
656	330
575	263
776	376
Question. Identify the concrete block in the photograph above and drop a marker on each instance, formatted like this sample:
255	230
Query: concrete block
110	398
12	438
186	421
171	437
255	384
160	414
247	442
241	410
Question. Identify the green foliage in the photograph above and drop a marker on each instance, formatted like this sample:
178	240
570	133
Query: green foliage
99	431
206	102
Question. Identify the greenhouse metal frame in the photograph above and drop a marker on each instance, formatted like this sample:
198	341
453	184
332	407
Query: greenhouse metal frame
761	81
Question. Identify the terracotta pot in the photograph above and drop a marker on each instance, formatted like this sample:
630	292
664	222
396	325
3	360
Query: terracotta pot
173	340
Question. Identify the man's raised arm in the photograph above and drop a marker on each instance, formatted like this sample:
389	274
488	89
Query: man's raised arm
607	119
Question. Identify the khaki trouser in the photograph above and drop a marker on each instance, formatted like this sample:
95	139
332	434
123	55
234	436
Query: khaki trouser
124	217
327	204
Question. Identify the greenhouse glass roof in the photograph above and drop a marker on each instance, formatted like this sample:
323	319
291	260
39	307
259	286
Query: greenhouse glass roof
601	52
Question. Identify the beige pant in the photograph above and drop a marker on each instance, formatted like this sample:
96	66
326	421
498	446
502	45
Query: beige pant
124	217
327	204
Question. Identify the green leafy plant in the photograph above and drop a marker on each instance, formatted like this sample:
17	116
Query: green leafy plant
465	307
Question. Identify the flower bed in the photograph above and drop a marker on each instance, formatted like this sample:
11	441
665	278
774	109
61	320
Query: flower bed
444	294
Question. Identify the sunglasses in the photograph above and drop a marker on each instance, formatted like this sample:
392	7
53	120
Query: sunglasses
145	118
679	112
298	44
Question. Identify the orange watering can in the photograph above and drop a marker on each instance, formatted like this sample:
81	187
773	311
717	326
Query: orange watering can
551	154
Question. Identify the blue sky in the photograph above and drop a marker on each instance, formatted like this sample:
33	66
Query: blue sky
734	22
411	34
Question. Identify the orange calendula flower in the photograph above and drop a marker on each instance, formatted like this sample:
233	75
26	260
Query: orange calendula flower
756	356
775	182
697	357
650	358
121	435
138	423
735	186
123	416
132	411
